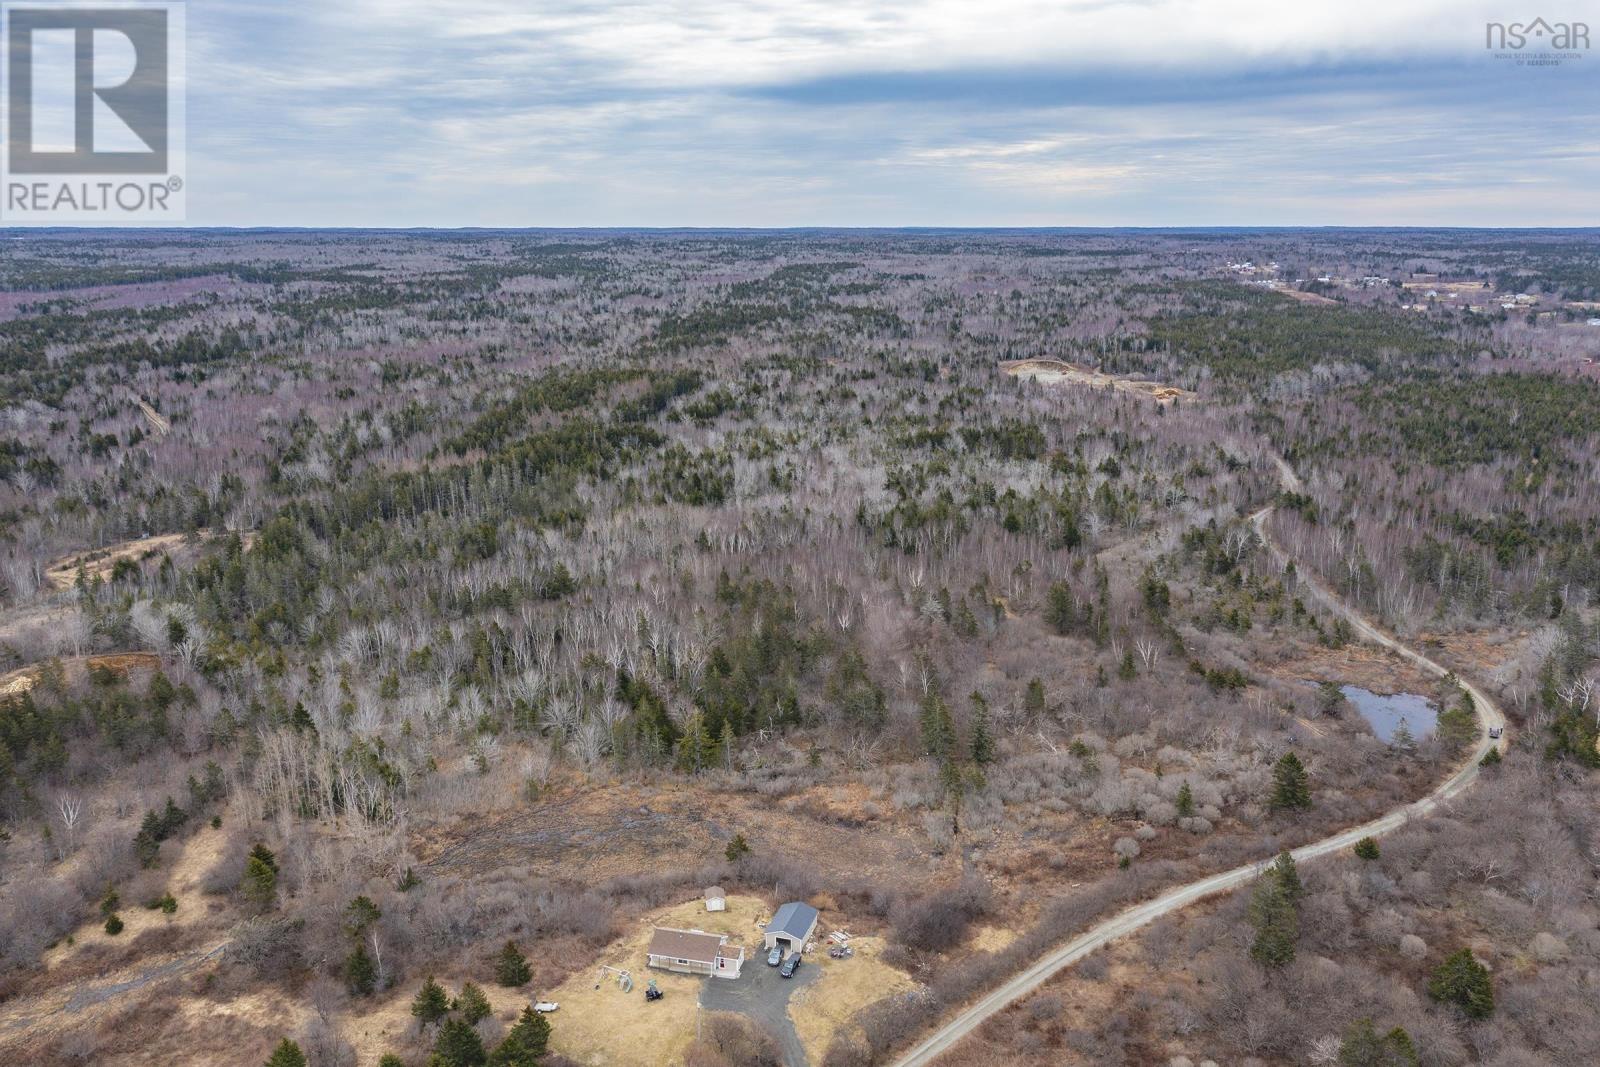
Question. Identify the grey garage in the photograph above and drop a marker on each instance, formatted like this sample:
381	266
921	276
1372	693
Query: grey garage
792	927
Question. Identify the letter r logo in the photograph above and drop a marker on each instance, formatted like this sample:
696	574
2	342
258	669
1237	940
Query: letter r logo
87	90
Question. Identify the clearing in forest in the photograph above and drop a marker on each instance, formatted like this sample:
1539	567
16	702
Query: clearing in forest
98	563
24	679
1052	371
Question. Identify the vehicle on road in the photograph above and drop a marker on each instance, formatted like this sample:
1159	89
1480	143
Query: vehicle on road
790	965
775	957
1495	732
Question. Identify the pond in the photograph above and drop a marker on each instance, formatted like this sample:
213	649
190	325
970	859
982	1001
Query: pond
1385	712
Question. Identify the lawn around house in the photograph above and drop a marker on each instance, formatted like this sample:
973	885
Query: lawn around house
605	1027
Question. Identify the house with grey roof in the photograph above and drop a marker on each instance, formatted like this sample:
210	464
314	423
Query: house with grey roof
694	952
792	927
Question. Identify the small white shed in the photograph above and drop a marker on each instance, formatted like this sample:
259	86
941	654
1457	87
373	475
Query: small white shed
716	899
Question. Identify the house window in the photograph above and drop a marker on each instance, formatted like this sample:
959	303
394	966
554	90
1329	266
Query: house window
683	961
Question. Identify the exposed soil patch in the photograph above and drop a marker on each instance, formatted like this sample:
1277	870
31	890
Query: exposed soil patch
74	668
1052	371
98	563
1304	297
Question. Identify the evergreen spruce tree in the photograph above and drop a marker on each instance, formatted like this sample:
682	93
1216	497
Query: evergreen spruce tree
737	849
1291	786
1276	923
690	756
473	1005
360	973
1463	981
1185	801
287	1054
966	623
938	729
1033	699
1400	1049
1363	1047
431	1003
1287	876
1458	725
981	746
260	883
1367	849
459	1045
1127	670
526	1042
359	914
1059	613
511	968
532	1031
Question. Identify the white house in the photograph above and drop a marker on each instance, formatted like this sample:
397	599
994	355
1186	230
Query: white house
694	952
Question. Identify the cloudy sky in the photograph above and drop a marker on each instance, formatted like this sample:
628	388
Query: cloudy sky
898	113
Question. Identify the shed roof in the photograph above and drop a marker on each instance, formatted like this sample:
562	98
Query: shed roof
714	891
794	920
695	945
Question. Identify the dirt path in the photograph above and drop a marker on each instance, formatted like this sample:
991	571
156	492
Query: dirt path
158	422
45	1010
1131	920
54	1007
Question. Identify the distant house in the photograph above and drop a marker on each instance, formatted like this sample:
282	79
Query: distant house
792	927
694	952
716	899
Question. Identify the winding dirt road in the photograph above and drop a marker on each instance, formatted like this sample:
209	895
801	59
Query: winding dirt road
1127	922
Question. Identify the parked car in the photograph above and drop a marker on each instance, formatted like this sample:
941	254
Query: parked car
790	965
775	957
1495	732
545	1007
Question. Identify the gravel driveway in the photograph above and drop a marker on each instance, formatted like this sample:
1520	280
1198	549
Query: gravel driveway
762	995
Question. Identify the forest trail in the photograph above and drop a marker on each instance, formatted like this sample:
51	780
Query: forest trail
55	1007
1134	918
158	422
